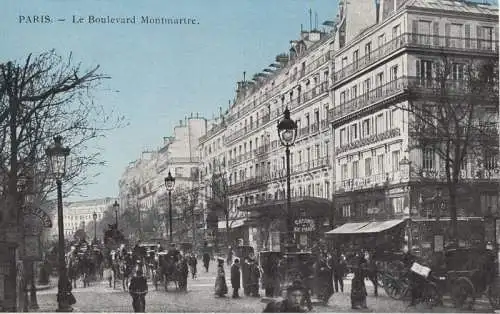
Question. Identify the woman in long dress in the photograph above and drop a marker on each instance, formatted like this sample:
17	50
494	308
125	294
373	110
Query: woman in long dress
220	280
358	288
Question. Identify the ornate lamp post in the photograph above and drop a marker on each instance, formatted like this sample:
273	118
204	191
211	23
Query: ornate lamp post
57	160
95	227
287	131
115	207
169	184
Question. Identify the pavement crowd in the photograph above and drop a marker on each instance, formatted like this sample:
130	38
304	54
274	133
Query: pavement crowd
200	298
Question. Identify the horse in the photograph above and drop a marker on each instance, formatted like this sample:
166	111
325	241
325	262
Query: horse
169	271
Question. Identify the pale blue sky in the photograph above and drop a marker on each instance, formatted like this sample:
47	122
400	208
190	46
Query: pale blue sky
162	72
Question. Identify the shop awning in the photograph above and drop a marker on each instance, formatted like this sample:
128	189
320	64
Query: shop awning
232	223
348	228
366	227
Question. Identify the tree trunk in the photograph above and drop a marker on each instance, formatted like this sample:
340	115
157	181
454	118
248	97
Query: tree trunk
227	231
452	190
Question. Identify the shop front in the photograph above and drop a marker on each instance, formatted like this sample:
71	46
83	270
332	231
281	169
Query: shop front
310	218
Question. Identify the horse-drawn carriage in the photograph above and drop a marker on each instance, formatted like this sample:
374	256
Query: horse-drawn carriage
464	274
168	268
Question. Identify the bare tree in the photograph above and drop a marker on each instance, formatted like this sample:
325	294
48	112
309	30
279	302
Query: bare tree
41	97
456	121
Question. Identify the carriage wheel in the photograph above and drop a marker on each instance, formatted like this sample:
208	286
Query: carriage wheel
494	295
462	293
395	289
432	297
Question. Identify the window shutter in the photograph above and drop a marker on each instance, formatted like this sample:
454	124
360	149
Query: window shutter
467	35
417	68
479	35
414	30
435	32
447	30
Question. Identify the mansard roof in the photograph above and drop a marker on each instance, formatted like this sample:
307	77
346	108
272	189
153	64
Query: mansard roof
455	6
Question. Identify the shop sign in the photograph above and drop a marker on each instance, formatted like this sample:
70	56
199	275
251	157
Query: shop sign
42	216
304	225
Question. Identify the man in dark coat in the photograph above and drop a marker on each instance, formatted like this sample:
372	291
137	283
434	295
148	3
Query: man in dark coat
138	288
254	277
206	260
235	277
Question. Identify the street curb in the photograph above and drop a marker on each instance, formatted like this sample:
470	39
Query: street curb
45	287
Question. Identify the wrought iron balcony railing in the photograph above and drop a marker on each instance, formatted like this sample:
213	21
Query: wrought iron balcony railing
368	140
408	40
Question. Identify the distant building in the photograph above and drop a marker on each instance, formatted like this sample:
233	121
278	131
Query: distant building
80	213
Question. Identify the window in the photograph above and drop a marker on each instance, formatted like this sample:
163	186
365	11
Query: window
344	62
394	121
368	167
318	152
342	98
354	132
354	92
424	31
316	117
428	158
366	87
424	69
381	40
395	161
368	50
398	204
394	73
379	123
396	31
485	37
178	172
343	172
355	169
327	149
346	210
454	35
343	137
366	127
490	160
457	71
381	162
379	82
355	57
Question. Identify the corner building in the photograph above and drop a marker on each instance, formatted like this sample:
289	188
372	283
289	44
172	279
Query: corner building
377	71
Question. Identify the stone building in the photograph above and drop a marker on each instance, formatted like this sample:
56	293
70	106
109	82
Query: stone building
382	69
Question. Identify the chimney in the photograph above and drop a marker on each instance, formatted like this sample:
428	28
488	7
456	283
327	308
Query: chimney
180	122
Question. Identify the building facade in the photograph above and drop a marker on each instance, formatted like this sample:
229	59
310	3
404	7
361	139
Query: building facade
378	74
142	185
79	214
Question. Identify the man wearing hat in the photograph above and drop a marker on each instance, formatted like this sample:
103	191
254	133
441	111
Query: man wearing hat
220	280
295	302
138	288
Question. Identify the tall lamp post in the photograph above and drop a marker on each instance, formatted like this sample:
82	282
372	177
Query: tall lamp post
169	184
95	227
115	207
287	131
57	160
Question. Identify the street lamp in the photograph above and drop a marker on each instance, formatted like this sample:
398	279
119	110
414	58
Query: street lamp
115	207
95	227
287	132
57	160
169	184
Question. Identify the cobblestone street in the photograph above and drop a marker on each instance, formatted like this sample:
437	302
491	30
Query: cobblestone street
199	298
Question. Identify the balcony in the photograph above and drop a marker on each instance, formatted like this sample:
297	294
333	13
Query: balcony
248	184
368	140
175	160
392	88
303	132
311	165
410	40
324	124
314	127
261	150
369	182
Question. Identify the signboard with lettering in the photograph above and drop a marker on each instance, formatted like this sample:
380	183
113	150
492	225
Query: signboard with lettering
304	225
42	216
